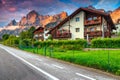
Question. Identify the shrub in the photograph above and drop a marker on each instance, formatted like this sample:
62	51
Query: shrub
106	43
11	41
25	43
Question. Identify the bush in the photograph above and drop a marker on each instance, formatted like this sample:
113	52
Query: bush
25	43
106	43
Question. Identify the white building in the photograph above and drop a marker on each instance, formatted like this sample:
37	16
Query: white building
41	34
117	25
84	23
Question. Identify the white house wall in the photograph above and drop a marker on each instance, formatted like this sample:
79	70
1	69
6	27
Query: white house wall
118	28
46	36
74	25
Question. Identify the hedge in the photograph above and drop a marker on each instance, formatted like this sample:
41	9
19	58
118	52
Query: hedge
106	43
25	43
66	44
11	41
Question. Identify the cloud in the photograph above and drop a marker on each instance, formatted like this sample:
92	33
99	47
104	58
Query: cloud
84	3
17	8
12	9
108	5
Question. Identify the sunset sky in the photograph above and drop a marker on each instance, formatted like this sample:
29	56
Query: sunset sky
15	9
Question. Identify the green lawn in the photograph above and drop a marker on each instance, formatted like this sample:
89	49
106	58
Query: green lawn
107	60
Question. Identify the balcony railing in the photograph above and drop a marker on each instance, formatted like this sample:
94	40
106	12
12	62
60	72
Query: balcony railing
40	36
93	33
92	22
63	35
96	34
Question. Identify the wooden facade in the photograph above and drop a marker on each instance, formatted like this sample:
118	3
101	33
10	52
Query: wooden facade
38	34
95	20
61	34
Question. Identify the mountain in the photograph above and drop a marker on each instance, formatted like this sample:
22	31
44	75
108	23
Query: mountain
33	18
12	23
11	26
44	20
115	15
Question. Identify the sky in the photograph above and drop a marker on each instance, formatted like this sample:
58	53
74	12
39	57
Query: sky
16	9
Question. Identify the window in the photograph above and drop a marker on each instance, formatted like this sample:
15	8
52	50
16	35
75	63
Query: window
77	38
77	19
45	29
77	29
105	28
94	18
92	29
90	18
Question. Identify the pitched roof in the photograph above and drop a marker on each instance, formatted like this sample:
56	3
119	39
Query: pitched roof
93	11
38	29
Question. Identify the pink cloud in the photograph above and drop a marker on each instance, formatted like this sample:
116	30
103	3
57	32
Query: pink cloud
12	9
3	2
45	1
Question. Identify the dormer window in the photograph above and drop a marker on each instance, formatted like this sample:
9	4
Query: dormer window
77	19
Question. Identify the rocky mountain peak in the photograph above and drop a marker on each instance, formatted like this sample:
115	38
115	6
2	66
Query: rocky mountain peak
23	21
32	13
117	9
34	19
12	23
63	15
115	15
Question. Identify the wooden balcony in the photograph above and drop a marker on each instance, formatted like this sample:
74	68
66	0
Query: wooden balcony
96	34
92	22
93	33
62	35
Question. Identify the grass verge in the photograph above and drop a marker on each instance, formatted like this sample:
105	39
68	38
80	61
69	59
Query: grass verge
107	60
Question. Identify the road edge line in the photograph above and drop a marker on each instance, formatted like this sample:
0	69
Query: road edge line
47	74
85	76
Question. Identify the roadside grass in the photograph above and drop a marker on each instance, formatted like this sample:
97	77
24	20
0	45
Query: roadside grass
107	60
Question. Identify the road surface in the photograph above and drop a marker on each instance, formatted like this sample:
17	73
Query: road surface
20	65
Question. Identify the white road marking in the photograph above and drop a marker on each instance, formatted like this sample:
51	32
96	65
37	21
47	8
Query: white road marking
57	66
85	76
49	75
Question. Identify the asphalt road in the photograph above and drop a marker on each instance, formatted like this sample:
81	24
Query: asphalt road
20	65
12	68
